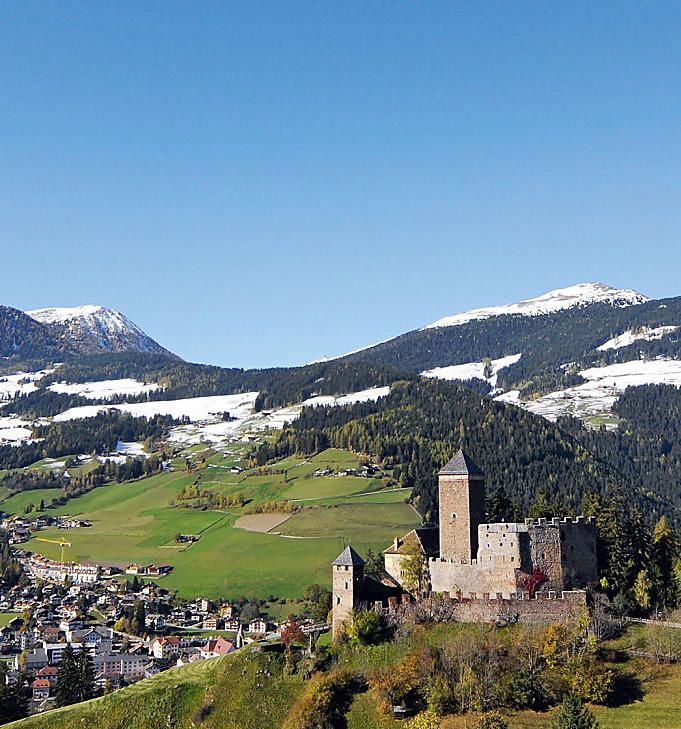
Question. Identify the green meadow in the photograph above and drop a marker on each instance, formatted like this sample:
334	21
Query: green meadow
137	522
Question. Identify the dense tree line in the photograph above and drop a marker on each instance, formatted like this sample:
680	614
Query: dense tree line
87	435
640	566
44	403
419	426
646	446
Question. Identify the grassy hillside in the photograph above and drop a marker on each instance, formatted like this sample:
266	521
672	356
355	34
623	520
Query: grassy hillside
252	691
137	522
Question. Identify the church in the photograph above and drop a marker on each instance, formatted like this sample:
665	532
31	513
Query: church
465	558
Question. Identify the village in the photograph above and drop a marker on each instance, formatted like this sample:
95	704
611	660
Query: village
131	628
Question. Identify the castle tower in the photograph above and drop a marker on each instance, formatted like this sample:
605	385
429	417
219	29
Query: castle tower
348	573
462	507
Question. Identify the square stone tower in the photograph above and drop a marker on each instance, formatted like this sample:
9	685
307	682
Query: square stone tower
348	573
462	507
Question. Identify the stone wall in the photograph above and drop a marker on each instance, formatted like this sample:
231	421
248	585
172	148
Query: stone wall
548	608
578	549
473	580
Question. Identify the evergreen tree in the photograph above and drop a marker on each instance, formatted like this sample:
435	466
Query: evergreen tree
86	674
13	698
665	552
572	715
66	687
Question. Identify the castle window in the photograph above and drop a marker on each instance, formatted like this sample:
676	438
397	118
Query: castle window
338	601
346	585
453	516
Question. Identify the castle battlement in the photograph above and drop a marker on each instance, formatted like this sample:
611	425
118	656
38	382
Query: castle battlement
558	521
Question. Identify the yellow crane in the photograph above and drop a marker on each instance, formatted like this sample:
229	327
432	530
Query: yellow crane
60	542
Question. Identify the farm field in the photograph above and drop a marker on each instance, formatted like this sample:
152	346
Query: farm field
137	522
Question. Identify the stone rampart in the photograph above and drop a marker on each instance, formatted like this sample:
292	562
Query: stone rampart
547	607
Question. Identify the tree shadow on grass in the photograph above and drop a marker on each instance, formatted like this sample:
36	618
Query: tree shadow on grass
627	689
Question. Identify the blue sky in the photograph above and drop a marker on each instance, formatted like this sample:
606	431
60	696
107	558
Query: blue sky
263	183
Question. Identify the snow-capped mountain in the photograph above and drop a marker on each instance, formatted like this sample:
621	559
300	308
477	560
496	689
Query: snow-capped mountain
579	295
94	328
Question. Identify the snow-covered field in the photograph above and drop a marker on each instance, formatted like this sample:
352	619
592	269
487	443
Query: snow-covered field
216	432
206	413
19	383
105	388
629	337
195	408
14	430
584	293
472	370
595	398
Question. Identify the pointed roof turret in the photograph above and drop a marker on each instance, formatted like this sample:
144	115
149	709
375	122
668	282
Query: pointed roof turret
461	464
348	557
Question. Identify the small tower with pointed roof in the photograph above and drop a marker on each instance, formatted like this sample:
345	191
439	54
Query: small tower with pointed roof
462	507
348	573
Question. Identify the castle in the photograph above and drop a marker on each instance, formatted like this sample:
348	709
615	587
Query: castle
471	564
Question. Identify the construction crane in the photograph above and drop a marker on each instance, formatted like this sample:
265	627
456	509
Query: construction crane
60	542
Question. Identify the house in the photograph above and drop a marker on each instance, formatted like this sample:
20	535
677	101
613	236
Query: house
49	673
257	626
41	688
135	569
226	611
158	570
34	661
216	647
211	622
68	625
233	625
98	638
165	647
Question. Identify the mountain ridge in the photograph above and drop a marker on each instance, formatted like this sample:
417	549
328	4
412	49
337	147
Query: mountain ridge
94	328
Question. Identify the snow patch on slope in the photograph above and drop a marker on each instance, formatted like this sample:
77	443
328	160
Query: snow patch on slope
15	431
594	399
19	383
630	336
473	370
195	408
206	413
579	295
104	389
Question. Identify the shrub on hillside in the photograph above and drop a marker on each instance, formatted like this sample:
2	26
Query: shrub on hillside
326	701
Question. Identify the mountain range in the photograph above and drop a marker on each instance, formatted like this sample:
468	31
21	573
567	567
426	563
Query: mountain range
569	351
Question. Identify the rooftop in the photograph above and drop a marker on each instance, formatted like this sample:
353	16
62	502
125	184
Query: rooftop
348	557
461	464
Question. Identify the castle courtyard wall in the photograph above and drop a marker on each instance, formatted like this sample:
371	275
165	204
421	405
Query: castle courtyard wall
472	580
